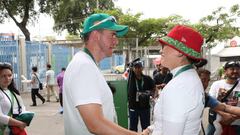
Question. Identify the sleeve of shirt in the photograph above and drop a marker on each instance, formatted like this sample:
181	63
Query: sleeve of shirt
212	102
213	91
84	86
4	119
58	81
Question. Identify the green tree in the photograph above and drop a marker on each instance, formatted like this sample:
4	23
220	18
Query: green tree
72	37
23	12
70	15
146	30
220	25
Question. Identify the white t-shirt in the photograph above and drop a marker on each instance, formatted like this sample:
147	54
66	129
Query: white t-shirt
214	90
35	85
179	109
84	84
5	106
51	74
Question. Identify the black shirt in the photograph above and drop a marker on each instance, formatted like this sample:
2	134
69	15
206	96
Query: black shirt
160	78
146	84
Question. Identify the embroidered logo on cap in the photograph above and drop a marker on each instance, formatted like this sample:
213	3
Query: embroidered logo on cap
183	39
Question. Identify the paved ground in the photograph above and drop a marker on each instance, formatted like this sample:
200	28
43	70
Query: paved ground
48	121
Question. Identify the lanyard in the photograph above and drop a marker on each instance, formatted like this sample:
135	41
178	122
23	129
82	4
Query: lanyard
185	68
137	83
89	53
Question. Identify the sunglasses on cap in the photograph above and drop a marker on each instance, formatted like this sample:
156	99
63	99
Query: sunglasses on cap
231	64
110	18
5	64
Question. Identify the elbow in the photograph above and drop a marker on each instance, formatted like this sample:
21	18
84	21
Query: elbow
96	126
93	128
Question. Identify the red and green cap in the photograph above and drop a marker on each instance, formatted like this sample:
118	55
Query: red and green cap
103	21
186	40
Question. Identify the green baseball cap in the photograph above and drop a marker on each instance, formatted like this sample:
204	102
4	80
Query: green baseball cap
103	21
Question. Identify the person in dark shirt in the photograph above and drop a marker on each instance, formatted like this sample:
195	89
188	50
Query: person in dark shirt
162	77
141	87
157	63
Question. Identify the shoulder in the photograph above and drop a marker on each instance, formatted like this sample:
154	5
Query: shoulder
147	77
218	82
1	95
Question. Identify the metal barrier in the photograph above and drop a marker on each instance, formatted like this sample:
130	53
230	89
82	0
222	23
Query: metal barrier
9	53
36	55
61	55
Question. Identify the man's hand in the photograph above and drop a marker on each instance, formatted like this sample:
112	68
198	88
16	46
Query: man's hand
145	132
221	93
22	125
227	118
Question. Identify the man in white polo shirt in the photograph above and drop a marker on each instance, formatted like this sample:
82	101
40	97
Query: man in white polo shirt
87	98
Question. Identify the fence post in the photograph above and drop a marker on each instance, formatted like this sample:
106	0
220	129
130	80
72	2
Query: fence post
22	58
49	53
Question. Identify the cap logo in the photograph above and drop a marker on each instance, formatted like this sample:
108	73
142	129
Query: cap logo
183	39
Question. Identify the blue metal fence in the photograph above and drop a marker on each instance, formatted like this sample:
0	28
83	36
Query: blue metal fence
36	55
9	53
61	56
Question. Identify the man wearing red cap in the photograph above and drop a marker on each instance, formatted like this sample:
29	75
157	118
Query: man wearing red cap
179	109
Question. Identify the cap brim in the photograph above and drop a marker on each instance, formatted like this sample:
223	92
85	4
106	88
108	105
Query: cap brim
162	42
120	29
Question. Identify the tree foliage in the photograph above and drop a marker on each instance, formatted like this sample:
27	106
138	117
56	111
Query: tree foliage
70	14
24	12
219	25
146	30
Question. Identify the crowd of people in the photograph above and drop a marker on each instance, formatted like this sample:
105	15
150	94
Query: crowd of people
176	93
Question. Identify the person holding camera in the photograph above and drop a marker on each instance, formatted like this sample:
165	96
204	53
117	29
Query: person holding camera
140	88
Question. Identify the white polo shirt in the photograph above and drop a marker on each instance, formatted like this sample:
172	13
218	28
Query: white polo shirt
179	109
84	84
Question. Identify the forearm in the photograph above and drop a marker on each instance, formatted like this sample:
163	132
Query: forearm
233	110
221	108
97	124
105	127
17	123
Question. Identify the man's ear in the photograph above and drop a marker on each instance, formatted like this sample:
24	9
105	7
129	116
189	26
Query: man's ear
95	35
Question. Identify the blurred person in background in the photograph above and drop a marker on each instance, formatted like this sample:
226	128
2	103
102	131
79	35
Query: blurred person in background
50	82
60	77
230	124
9	101
35	87
140	90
